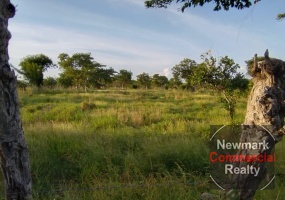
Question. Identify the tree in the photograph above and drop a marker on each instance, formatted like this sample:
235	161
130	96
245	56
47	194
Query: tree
239	82
218	4
226	72
22	84
77	67
32	67
124	77
50	82
64	80
189	72
224	77
101	77
221	75
84	71
14	155
159	81
144	80
185	70
175	82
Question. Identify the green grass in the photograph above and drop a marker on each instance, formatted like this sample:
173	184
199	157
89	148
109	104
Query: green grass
128	144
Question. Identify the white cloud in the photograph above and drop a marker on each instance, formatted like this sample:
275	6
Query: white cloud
166	72
115	52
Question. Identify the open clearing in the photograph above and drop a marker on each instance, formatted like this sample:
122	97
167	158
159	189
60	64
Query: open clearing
125	144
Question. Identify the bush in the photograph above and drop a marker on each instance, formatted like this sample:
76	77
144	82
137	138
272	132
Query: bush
50	82
87	106
22	84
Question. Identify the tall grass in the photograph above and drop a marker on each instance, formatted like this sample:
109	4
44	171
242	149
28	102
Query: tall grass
128	144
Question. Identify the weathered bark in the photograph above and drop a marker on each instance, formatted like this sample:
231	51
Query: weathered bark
265	113
13	148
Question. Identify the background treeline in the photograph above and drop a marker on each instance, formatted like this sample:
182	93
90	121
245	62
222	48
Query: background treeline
81	71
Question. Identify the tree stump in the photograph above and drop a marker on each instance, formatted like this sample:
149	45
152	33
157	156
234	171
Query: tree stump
265	108
13	148
264	124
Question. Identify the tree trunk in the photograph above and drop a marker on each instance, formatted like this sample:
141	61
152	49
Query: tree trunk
13	148
265	113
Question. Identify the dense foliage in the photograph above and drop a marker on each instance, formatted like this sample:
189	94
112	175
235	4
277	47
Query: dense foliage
32	68
221	74
124	78
160	81
82	71
218	4
144	80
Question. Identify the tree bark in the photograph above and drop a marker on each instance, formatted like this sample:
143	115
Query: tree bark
265	113
13	148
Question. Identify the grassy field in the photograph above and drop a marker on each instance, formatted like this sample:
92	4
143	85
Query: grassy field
125	144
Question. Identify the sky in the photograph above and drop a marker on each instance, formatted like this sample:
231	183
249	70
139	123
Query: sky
123	34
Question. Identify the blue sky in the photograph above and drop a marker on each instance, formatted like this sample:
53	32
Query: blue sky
123	34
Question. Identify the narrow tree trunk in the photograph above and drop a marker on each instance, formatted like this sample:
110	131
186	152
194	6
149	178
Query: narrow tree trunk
265	113
13	148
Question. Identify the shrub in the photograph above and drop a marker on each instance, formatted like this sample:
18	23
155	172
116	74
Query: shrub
87	106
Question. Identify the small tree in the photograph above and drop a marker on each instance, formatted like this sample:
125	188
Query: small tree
221	75
32	67
159	81
184	69
224	77
50	82
101	77
124	77
175	82
144	80
77	67
22	84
